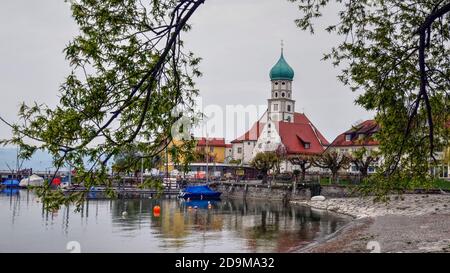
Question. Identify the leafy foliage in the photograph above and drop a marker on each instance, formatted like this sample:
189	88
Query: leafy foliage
363	158
132	82
396	54
264	161
334	161
304	162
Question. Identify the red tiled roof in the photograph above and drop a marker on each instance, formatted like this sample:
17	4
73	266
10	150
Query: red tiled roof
294	136
228	145
216	142
367	128
252	134
303	119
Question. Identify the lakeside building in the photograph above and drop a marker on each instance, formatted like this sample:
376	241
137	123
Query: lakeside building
360	136
211	150
213	157
280	127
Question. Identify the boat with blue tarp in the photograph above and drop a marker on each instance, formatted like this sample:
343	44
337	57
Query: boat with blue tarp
10	183
202	192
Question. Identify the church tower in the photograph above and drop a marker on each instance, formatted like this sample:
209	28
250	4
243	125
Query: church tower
281	106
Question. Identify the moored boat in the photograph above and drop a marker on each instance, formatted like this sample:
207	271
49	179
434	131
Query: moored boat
10	183
199	192
32	180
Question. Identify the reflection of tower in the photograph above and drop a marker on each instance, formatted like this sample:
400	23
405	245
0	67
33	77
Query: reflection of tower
281	106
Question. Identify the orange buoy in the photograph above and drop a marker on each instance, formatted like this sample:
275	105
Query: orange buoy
156	210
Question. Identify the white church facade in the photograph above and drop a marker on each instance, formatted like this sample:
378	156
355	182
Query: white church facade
280	127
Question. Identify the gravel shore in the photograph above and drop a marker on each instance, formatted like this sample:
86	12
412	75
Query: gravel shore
408	223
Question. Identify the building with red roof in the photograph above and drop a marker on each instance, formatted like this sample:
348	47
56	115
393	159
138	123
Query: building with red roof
280	126
361	135
214	148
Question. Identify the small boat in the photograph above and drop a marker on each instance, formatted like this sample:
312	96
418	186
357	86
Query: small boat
11	183
199	193
32	180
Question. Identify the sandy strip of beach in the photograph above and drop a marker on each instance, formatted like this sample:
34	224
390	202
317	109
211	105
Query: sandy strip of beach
407	223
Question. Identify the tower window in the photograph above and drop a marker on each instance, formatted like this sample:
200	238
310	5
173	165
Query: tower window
289	108
283	94
288	95
276	94
269	125
276	83
275	107
283	83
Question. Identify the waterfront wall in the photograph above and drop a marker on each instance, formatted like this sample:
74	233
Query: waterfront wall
281	193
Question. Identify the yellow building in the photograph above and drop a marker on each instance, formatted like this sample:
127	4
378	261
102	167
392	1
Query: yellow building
207	150
213	147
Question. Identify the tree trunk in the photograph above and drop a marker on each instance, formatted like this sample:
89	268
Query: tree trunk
334	175
264	178
303	176
294	186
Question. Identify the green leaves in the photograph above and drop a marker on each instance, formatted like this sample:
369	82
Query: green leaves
379	57
264	161
129	73
332	160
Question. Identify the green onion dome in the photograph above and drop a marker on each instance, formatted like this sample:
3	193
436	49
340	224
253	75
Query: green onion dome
281	70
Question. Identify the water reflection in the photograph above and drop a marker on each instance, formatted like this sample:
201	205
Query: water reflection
196	226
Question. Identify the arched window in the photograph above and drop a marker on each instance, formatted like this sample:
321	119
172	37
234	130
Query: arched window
276	83
283	94
289	108
283	83
276	94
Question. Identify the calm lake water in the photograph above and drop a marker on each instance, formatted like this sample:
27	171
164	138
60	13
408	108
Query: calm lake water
229	226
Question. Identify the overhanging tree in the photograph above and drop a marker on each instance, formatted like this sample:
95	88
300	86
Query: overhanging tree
397	53
131	81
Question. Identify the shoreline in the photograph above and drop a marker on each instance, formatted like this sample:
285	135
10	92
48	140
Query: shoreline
408	223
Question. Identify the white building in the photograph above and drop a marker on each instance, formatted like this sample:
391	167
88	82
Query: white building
280	127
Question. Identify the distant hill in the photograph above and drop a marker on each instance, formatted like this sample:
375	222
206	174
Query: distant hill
40	161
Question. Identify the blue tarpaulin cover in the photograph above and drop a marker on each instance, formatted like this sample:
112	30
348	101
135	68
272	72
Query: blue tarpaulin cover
198	189
199	192
11	183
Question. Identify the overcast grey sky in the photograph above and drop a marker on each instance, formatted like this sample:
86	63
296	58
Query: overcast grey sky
239	41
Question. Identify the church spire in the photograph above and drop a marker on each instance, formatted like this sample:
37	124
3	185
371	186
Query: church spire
281	70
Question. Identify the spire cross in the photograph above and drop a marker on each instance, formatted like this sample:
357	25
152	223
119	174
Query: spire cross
282	45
